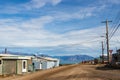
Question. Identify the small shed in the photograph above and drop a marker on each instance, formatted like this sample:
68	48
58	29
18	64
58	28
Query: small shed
44	63
14	64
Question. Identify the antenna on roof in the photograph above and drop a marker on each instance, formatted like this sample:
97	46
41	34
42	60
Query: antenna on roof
5	50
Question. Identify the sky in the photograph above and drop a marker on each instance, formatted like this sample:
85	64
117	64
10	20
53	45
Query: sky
57	27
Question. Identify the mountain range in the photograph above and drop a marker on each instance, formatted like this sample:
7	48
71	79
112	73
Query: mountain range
73	59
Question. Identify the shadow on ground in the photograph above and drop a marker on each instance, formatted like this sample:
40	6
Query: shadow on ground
107	67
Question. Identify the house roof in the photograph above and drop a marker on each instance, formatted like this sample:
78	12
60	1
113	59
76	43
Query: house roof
47	58
3	55
50	59
16	57
10	56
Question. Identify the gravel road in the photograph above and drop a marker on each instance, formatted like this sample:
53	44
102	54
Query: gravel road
72	72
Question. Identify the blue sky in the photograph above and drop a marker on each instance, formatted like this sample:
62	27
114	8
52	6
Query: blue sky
56	27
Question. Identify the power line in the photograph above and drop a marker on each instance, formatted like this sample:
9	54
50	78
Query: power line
118	36
115	24
114	31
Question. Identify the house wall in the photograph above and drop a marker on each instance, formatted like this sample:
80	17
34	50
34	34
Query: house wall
56	63
30	66
29	62
9	66
19	66
0	67
44	65
50	64
37	65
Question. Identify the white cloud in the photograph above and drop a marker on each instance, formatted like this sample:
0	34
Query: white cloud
79	14
37	23
28	6
31	33
55	2
108	2
114	1
10	9
40	3
26	33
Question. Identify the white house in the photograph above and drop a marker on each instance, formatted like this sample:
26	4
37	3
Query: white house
44	63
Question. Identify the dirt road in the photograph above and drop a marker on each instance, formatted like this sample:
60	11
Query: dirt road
73	72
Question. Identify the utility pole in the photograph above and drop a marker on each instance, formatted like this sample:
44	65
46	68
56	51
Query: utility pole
102	53
5	50
107	39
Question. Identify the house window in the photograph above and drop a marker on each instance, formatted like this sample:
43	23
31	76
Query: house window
24	64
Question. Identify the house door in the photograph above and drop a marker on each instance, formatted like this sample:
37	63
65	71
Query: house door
24	65
40	65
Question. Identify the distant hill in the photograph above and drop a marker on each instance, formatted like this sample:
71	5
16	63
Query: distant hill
73	59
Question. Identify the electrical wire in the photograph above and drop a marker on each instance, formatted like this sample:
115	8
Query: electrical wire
114	31
115	22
